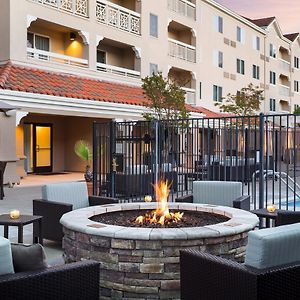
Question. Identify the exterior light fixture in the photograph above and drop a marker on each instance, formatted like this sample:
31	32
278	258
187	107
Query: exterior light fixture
72	36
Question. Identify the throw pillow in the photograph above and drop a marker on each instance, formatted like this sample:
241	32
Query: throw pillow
6	264
28	257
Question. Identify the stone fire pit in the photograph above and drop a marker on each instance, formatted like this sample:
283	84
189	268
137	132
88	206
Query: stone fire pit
143	263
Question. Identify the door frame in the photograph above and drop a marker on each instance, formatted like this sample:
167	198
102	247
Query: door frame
36	169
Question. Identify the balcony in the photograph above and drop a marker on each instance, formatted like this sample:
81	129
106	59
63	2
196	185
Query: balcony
182	51
285	66
183	7
284	90
190	95
76	7
119	17
56	58
118	70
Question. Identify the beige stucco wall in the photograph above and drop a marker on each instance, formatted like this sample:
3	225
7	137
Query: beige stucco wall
199	32
4	30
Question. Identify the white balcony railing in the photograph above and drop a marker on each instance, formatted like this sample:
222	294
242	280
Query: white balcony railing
190	95
183	7
57	58
118	70
117	16
76	7
284	90
182	51
285	65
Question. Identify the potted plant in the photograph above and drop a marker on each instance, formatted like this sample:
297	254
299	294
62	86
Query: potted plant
84	151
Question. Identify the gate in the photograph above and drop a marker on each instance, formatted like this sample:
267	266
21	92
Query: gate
262	152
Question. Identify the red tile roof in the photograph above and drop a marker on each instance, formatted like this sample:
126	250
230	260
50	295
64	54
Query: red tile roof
292	36
32	80
264	22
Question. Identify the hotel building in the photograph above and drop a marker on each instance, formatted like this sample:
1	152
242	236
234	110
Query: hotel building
67	63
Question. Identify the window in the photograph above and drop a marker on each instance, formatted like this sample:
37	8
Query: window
38	42
296	106
255	72
296	62
217	93
153	25
240	66
272	77
218	58
256	42
101	57
272	51
272	104
153	69
240	34
200	90
296	86
218	23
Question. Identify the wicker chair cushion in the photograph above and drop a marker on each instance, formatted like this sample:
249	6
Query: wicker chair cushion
6	263
74	193
216	192
28	257
273	247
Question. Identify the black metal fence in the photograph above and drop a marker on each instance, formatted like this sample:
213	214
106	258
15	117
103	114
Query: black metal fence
260	151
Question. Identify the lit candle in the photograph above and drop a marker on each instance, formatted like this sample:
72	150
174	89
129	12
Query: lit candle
14	214
271	208
148	198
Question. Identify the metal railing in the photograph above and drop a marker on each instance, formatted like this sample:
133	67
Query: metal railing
182	51
183	7
118	70
190	95
55	57
119	17
76	7
262	152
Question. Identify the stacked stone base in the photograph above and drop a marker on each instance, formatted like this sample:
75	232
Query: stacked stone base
141	269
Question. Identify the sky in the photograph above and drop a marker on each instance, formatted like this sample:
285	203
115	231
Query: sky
287	12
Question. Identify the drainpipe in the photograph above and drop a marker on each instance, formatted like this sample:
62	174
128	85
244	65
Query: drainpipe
265	73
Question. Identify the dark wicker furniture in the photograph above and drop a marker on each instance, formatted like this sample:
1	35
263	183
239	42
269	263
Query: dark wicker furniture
265	214
75	281
285	217
208	277
53	211
23	220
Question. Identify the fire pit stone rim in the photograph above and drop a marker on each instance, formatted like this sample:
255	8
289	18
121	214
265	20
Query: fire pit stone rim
79	220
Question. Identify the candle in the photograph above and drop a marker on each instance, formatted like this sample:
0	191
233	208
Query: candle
148	198
14	214
271	208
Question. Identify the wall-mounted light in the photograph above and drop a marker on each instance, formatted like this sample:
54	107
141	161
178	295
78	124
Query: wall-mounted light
72	36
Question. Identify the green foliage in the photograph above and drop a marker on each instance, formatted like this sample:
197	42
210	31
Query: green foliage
297	110
166	100
83	150
245	103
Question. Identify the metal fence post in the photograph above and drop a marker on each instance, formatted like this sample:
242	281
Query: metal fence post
95	157
112	133
261	160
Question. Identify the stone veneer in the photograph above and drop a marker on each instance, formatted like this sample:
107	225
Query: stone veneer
143	263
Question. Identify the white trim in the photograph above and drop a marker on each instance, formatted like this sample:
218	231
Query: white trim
85	37
116	6
118	70
30	19
46	104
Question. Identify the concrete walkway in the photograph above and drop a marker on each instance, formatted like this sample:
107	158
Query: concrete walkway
20	197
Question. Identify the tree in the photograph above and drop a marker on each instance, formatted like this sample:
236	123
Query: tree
297	110
246	102
165	99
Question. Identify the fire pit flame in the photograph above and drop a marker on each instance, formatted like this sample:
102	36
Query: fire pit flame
161	215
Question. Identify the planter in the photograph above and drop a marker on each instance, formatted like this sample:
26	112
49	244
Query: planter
90	188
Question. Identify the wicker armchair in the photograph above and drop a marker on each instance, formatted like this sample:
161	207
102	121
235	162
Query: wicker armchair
285	217
226	193
208	277
75	281
59	199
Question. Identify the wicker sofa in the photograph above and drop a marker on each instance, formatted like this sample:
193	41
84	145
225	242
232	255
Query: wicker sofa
75	281
271	269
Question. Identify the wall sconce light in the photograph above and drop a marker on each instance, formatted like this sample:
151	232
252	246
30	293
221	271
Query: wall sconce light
72	36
